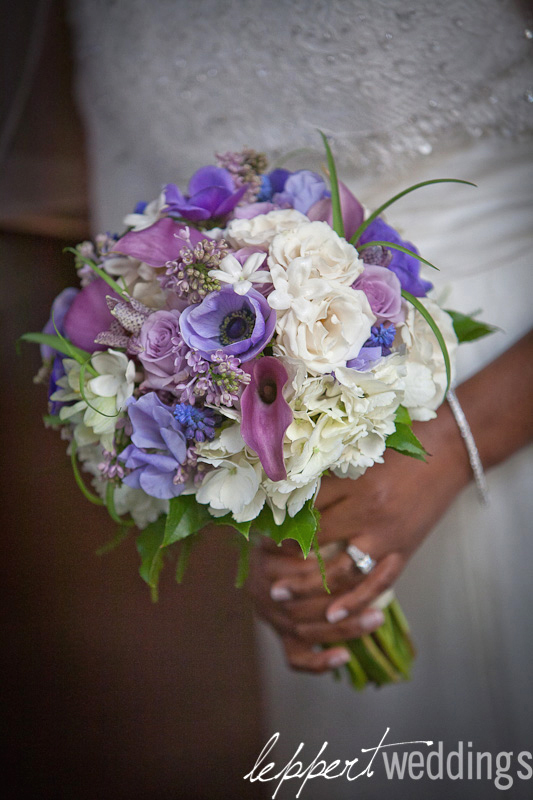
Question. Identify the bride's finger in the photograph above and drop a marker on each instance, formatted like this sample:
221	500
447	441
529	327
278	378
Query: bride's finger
352	627
378	581
341	574
301	656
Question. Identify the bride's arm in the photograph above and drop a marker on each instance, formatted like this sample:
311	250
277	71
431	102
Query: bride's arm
388	512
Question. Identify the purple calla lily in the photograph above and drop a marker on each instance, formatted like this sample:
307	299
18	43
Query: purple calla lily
212	194
266	415
89	315
352	211
161	242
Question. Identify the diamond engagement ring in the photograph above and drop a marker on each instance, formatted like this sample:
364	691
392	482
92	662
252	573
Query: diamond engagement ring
362	561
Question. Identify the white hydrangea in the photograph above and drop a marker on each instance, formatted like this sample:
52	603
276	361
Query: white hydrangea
139	279
233	487
425	379
260	231
330	256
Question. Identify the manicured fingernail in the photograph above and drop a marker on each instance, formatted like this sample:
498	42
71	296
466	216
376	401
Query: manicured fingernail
371	620
339	659
336	614
280	593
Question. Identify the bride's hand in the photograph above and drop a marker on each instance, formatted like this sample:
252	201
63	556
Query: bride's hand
386	513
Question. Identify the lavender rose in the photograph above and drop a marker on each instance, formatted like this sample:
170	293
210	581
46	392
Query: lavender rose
384	292
159	339
239	325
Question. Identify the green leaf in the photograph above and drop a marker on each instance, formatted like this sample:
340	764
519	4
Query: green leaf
117	539
92	498
468	329
402	416
404	441
243	564
185	517
436	330
338	223
364	225
184	555
397	247
301	527
53	420
100	272
149	547
58	343
241	527
321	565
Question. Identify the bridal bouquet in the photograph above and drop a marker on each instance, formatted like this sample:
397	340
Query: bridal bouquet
234	345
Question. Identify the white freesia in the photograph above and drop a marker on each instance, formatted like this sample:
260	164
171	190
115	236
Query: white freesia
241	276
425	380
151	213
259	231
322	323
232	487
331	257
95	415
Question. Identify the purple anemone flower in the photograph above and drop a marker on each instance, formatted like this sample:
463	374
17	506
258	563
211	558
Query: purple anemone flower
212	194
239	325
352	211
161	242
406	267
266	415
89	315
158	451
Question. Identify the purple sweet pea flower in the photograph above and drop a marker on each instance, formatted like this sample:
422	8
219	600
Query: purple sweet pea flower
160	357
277	179
154	428
406	267
352	211
212	194
384	292
302	190
239	325
266	414
89	315
253	210
161	242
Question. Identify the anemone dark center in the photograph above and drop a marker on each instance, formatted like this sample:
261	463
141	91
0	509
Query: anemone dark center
236	326
268	391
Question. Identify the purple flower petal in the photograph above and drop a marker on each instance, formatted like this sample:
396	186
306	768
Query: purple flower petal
160	485
58	312
266	415
230	202
161	242
205	177
352	211
89	315
175	442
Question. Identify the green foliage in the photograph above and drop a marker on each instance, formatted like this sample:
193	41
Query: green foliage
468	329
186	547
301	527
338	223
53	420
436	330
364	225
149	547
243	565
92	498
58	343
100	272
399	247
185	517
110	503
121	534
403	439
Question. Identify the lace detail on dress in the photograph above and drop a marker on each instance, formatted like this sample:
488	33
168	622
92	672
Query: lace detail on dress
166	81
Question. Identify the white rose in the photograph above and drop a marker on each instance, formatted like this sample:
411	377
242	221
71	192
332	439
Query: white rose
259	231
332	257
324	324
425	381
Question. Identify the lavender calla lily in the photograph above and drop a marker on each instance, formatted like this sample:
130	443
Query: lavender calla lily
161	242
212	194
352	211
266	415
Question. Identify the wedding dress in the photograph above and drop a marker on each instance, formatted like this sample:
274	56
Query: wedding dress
408	91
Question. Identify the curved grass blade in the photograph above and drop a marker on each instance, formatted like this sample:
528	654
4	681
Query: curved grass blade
100	272
338	223
58	343
436	330
92	498
364	225
397	247
110	503
72	352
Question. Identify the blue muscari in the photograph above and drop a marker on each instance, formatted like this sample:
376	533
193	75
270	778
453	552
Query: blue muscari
197	423
381	336
266	191
139	208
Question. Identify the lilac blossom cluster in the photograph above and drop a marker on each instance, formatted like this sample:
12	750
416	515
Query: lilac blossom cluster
221	317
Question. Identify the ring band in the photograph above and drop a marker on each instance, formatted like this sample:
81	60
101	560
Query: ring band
362	561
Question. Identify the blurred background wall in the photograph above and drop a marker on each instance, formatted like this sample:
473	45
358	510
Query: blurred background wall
105	694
